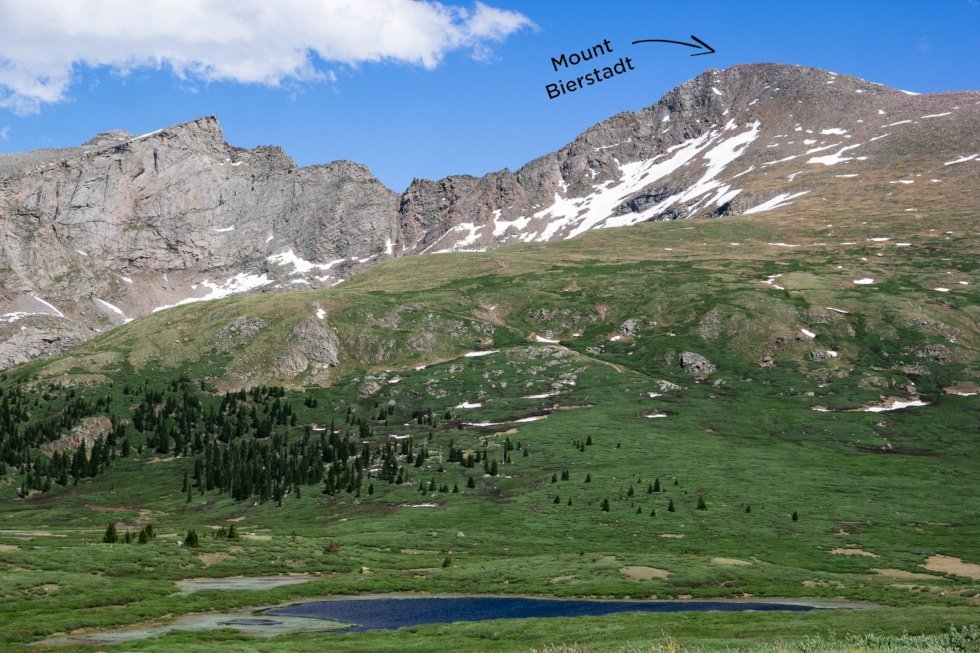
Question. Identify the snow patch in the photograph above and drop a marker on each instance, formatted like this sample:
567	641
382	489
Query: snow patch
476	354
461	245
963	159
533	418
938	115
777	202
771	281
833	159
467	404
241	282
114	309
895	405
56	311
866	281
300	266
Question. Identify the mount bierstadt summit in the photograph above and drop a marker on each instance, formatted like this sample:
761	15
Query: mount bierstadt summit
97	235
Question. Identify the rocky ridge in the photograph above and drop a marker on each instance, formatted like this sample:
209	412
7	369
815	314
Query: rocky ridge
100	234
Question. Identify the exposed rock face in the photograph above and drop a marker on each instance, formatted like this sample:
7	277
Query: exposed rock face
99	234
312	348
696	365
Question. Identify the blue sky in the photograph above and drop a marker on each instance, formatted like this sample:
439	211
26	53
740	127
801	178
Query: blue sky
426	90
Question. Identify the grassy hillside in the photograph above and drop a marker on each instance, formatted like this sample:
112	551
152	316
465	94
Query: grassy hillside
781	484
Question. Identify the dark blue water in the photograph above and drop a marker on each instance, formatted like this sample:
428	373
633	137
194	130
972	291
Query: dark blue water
392	613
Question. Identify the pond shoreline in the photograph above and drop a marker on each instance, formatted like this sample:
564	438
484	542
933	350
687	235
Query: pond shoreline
253	620
815	603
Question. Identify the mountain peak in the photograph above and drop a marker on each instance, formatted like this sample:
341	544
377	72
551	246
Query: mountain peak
178	215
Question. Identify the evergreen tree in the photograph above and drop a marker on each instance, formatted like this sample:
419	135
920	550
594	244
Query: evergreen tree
111	536
557	499
656	485
605	505
192	539
670	506
748	508
470	483
554	478
701	504
653	512
588	478
795	516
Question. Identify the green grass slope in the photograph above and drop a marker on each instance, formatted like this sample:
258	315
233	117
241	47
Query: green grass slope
581	428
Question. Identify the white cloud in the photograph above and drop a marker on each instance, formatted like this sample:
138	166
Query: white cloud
247	41
5	133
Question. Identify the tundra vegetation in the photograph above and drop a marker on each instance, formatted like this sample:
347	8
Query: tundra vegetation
680	440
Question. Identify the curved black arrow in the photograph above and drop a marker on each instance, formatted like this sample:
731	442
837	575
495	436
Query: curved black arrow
700	45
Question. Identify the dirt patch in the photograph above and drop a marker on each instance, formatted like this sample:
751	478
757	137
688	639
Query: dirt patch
672	536
853	552
94	508
823	583
608	559
154	461
730	562
562	579
9	547
643	573
30	534
241	583
950	565
255	537
420	571
904	575
214	558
